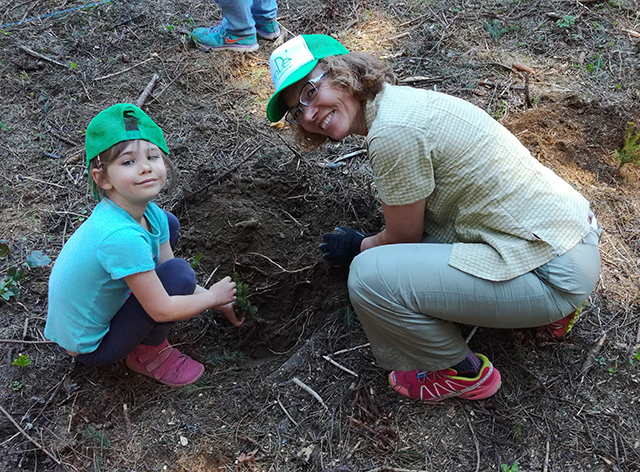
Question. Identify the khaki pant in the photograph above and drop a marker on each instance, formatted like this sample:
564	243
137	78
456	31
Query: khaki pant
408	299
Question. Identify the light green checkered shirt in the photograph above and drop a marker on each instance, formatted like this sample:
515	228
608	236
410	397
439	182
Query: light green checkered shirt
503	211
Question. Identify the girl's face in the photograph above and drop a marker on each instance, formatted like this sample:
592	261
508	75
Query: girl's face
335	113
134	177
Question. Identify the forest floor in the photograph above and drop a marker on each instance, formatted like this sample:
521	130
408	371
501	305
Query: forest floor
250	202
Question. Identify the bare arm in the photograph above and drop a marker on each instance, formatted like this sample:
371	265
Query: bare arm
162	307
166	252
403	224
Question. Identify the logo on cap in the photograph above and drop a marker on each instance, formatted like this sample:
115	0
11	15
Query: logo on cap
281	64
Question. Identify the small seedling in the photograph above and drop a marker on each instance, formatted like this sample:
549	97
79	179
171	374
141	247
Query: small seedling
566	21
16	385
95	436
509	468
9	286
243	305
346	315
22	360
630	151
494	29
196	261
225	358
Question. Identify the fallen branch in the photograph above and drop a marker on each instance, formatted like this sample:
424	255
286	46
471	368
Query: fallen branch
342	351
278	265
308	389
18	341
153	56
287	413
349	155
420	78
546	459
633	33
339	366
475	441
147	90
24	433
592	355
41	56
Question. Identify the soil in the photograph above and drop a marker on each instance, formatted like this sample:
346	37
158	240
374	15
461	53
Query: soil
252	203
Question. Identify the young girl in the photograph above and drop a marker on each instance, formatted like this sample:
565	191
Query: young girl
116	288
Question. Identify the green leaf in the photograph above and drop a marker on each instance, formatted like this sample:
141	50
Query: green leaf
4	248
73	65
3	126
22	360
37	259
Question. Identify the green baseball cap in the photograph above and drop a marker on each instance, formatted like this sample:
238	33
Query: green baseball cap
293	60
121	122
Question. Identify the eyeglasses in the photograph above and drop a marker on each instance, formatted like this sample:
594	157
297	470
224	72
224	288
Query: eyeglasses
308	96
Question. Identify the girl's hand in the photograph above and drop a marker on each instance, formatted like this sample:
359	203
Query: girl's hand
224	291
230	313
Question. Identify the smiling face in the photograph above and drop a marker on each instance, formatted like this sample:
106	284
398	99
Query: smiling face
135	176
335	112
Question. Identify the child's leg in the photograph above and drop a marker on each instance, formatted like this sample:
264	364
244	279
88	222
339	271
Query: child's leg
264	11
132	325
174	229
237	17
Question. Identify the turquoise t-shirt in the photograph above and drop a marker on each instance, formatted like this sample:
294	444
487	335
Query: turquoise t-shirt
87	286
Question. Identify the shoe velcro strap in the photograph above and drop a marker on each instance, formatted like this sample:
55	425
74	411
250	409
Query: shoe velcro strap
168	356
152	354
168	364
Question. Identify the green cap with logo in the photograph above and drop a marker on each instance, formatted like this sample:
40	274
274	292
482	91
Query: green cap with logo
293	60
121	122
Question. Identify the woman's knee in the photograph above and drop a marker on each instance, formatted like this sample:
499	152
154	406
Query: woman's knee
363	276
177	277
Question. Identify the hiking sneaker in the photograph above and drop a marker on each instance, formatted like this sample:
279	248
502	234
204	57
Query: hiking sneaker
165	364
216	37
441	384
559	329
270	30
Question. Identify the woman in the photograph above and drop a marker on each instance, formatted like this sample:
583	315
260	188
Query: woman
477	231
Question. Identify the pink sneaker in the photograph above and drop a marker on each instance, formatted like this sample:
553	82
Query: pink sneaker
558	329
441	384
165	364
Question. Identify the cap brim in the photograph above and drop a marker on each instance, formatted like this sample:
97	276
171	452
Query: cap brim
276	109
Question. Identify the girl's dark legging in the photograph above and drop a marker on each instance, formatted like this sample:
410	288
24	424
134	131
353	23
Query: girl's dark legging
131	325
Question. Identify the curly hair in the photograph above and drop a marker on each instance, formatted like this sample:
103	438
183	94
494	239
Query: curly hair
360	74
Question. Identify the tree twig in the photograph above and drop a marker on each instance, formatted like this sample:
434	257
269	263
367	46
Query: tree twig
592	355
24	433
475	441
339	366
308	389
20	341
108	76
342	351
287	413
41	56
147	90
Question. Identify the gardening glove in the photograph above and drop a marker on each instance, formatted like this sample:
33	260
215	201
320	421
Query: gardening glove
339	248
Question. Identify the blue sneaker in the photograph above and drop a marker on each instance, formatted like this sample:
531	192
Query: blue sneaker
270	30
216	37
